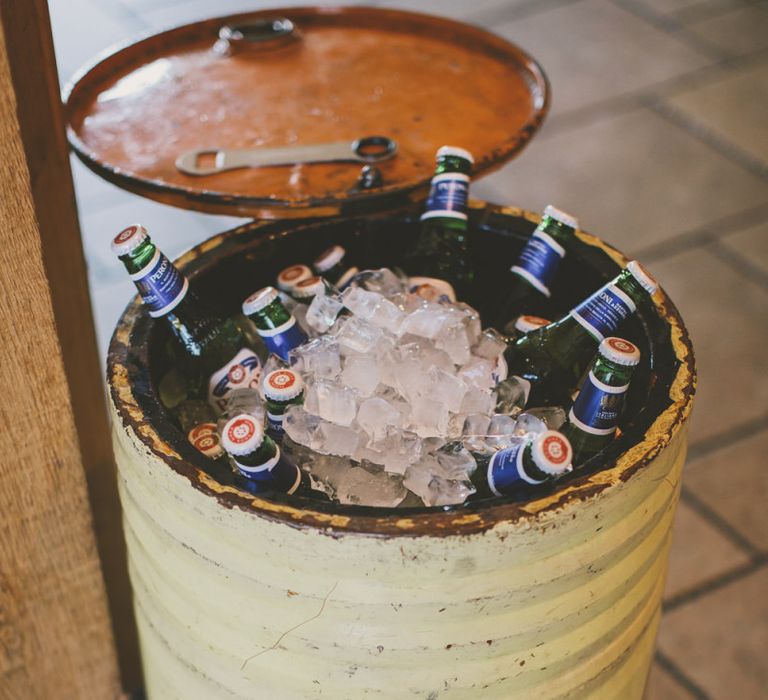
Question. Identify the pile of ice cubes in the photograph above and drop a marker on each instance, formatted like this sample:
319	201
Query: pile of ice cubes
407	388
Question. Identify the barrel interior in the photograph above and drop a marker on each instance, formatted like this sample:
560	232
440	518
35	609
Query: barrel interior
229	267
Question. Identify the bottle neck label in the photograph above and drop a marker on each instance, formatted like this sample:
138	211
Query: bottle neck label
161	285
284	338
538	261
275	425
506	472
448	196
598	406
277	474
243	371
602	313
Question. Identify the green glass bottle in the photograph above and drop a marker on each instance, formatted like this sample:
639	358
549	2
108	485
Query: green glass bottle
518	470
554	358
275	324
216	355
281	388
522	325
595	413
528	288
441	248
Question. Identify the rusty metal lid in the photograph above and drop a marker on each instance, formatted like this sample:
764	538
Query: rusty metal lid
302	77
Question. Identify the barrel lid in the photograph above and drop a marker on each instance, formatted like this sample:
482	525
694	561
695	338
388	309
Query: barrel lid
305	76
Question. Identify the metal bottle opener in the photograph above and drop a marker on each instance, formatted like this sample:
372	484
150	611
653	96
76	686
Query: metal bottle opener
368	149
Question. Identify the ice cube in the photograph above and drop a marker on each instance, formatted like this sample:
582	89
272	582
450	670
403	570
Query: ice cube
411	379
273	363
456	344
478	372
360	302
456	461
427	479
474	433
384	281
361	372
429	321
478	401
359	486
501	432
511	395
529	425
301	426
553	416
445	389
323	311
388	316
326	472
428	417
336	440
247	400
471	322
375	417
319	357
335	403
490	345
358	335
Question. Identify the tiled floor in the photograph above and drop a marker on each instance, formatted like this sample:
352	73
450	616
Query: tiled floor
658	140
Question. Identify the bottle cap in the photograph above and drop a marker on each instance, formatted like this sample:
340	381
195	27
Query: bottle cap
455	151
642	276
552	453
129	239
620	351
242	434
309	287
283	385
526	324
259	300
327	259
561	216
209	444
288	278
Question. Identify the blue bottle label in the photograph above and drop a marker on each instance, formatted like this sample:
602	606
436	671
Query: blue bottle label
283	339
602	313
448	197
538	261
160	284
598	406
243	371
278	474
506	473
275	425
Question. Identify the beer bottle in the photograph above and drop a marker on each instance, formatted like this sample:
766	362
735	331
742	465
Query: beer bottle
217	355
289	277
333	265
282	388
535	267
595	414
257	457
441	248
518	470
205	439
274	323
554	357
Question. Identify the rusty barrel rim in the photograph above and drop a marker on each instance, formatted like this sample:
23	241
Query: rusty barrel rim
460	520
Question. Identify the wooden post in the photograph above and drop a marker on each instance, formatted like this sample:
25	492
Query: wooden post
55	633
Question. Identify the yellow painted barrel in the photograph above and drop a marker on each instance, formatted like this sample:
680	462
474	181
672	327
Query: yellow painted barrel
241	597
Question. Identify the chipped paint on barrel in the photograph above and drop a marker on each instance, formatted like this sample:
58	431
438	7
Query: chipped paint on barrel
238	597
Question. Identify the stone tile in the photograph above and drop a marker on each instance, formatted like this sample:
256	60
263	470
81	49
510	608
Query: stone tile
83	28
666	7
733	108
662	686
594	50
752	244
722	313
741	31
699	553
719	640
734	483
634	179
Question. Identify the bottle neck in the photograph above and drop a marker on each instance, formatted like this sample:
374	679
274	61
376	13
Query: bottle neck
612	373
265	453
530	466
271	316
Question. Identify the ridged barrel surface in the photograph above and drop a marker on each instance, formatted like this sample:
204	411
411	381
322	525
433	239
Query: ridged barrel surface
238	597
231	604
